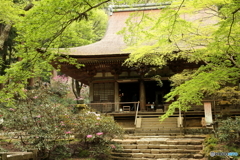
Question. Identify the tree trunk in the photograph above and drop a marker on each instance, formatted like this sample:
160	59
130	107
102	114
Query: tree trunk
76	88
4	35
1	86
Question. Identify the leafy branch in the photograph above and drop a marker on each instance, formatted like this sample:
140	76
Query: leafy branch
175	20
231	26
228	37
79	17
7	28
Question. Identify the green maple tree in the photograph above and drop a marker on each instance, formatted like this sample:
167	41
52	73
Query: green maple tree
41	28
196	31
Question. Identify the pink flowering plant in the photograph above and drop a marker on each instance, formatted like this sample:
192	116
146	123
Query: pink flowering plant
95	133
44	120
39	121
61	85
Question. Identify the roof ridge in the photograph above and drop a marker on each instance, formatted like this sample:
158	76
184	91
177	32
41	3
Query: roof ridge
136	7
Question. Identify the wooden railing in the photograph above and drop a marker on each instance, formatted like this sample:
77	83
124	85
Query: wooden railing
137	109
102	107
106	107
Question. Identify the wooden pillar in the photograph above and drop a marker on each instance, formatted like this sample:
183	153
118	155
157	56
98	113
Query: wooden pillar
116	71
142	95
116	95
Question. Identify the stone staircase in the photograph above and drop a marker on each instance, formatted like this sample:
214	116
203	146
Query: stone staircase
152	139
159	147
152	126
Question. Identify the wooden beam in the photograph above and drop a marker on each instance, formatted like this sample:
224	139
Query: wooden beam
127	80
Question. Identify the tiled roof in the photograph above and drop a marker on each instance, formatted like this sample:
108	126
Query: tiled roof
112	43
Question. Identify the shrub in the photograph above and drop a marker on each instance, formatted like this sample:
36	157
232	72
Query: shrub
229	131
95	132
227	139
38	121
43	121
210	144
60	85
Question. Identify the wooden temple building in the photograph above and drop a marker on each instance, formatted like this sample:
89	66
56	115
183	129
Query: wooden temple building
126	93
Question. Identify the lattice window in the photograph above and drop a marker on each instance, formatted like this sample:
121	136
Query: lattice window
103	92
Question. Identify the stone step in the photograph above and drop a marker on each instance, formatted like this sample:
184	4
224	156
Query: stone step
187	147
158	124
162	143
151	155
131	136
157	134
125	158
172	119
157	146
147	120
166	141
163	147
169	125
157	151
158	121
158	130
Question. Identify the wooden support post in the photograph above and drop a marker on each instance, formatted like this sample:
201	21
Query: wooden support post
142	95
116	95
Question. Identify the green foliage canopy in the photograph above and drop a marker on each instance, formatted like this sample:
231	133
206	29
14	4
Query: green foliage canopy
197	31
41	30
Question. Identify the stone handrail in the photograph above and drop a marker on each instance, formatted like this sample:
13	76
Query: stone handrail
19	155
